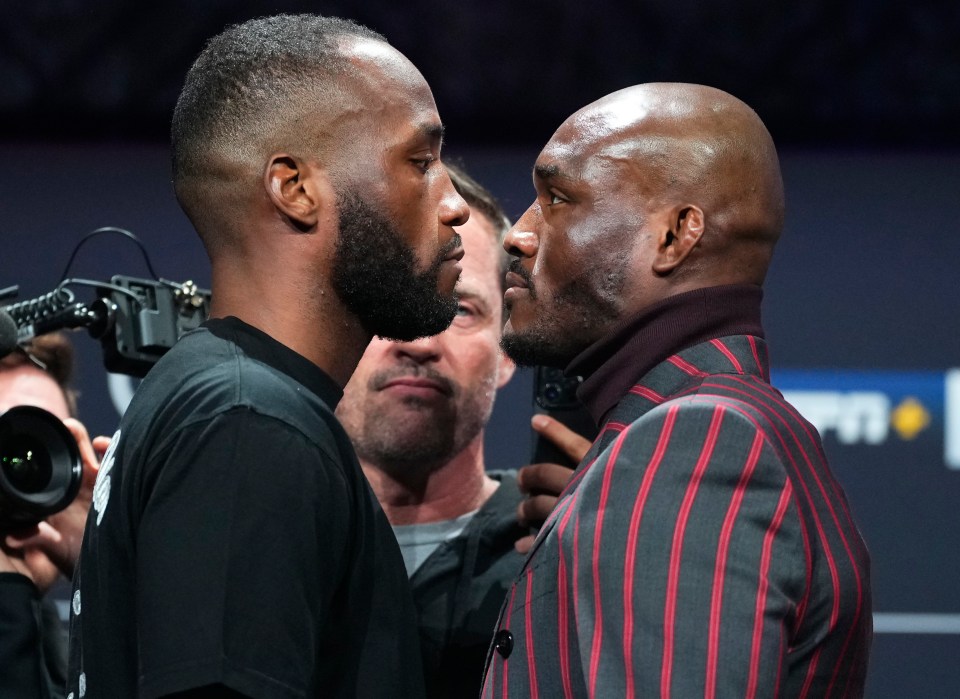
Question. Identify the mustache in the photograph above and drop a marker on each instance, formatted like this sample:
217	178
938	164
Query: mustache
413	371
455	242
519	270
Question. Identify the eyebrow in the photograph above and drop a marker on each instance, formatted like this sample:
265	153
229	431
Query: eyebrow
546	172
434	132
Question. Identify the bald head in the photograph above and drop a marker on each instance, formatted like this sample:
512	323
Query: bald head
679	145
650	192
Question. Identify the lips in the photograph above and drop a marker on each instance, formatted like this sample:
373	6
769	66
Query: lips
514	280
454	255
418	383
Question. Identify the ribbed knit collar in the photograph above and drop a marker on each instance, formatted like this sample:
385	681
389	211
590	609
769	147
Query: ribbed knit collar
614	364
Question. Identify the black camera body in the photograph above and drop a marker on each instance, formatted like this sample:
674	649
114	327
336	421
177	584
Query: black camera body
555	394
40	466
147	320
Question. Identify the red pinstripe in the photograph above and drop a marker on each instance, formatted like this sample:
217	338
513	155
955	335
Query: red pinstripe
576	578
598	620
673	579
713	635
562	621
805	535
809	678
647	393
528	624
580	472
781	511
506	624
831	563
835	611
756	356
632	536
685	366
728	354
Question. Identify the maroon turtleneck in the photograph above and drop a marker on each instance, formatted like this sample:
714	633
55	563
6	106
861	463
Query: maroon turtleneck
614	364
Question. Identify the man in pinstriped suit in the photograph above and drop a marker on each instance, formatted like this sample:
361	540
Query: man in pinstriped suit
703	547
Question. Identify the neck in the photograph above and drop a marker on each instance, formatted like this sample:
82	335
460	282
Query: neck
615	363
455	488
314	325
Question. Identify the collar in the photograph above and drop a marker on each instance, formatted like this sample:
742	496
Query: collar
259	346
614	364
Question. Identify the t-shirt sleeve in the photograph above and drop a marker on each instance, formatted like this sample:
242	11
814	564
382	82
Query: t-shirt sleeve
242	537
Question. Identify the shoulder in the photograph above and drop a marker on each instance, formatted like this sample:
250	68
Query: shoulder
695	430
206	385
700	411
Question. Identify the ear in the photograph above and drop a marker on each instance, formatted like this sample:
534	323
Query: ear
505	369
296	189
684	231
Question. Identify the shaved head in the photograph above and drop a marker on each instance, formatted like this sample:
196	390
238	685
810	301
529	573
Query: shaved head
649	192
269	85
688	143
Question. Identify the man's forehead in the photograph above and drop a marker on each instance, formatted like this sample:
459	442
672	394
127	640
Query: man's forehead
573	156
379	61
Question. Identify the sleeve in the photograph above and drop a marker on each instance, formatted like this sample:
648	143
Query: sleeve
241	544
696	559
23	670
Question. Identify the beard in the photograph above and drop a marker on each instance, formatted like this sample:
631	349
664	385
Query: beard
375	276
566	323
412	438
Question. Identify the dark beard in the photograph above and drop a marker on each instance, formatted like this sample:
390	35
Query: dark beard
551	342
375	275
575	317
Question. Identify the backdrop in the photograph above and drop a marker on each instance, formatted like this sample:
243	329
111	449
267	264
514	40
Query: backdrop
863	98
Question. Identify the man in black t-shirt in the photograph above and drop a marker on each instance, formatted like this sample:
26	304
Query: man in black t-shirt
233	547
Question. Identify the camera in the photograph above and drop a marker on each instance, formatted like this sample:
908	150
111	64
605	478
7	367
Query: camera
40	466
555	394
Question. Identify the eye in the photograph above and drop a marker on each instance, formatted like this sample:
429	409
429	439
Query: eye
467	316
555	198
423	164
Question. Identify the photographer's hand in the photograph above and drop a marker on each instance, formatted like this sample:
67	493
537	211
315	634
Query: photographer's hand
52	546
543	483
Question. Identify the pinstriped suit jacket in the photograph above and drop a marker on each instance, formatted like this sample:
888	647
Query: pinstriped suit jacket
702	548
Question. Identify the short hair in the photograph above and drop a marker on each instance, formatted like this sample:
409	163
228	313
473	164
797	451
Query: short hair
249	73
482	201
53	354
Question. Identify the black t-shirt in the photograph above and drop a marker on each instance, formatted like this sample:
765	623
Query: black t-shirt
233	539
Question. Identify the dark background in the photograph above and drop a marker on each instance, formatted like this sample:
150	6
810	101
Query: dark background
844	72
863	99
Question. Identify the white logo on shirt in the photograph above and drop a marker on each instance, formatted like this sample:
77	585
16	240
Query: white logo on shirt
76	603
101	491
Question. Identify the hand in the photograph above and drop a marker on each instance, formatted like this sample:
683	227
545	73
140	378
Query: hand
543	483
11	561
52	546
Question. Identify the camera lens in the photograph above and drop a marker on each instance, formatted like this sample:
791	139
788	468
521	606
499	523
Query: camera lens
26	463
40	467
552	392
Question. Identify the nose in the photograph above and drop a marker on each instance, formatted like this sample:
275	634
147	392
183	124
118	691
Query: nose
454	210
522	240
421	351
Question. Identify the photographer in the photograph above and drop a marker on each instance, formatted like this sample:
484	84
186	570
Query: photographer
32	638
